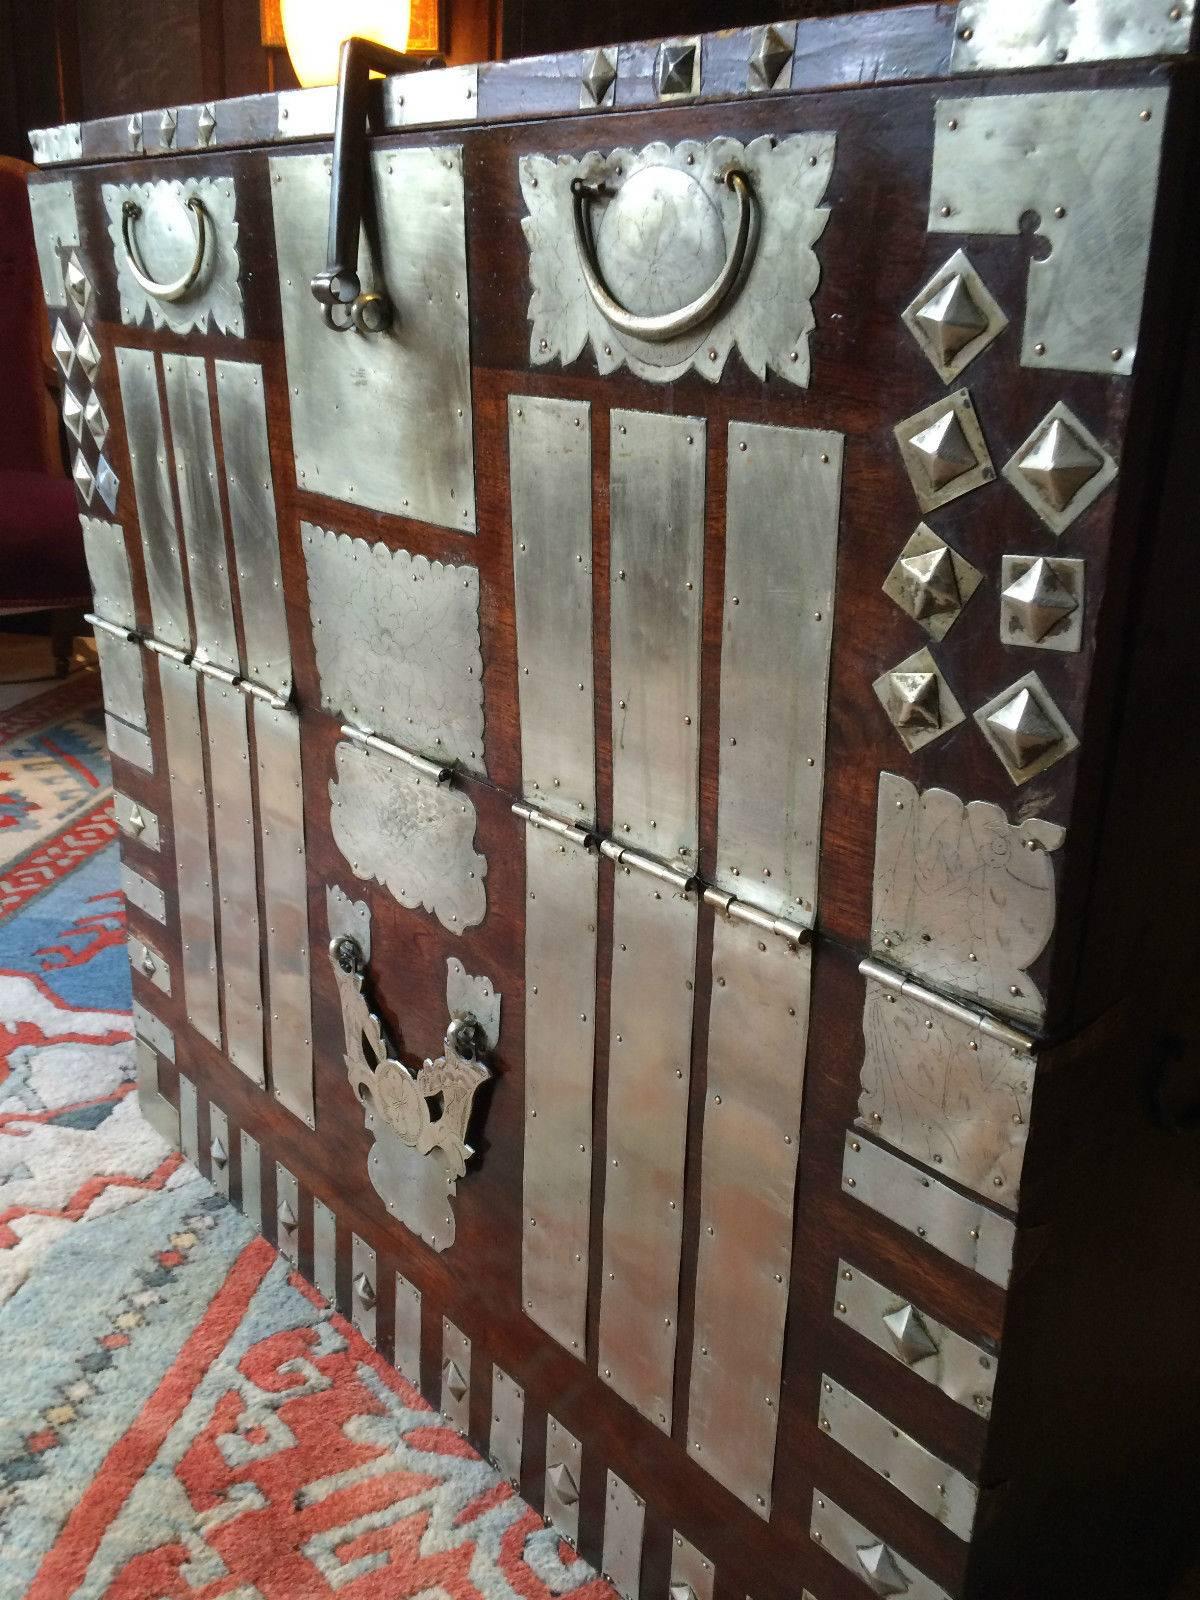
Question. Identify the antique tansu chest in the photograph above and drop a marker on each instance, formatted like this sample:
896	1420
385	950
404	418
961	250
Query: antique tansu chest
645	605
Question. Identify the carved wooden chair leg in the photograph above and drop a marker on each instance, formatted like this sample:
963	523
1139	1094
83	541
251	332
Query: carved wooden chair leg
65	623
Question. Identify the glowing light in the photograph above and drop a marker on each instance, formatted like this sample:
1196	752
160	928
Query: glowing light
314	30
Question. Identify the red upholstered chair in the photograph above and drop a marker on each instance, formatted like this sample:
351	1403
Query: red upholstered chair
42	566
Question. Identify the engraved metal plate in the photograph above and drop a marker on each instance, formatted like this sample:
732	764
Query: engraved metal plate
1042	601
939	1489
218	1151
285	905
152	1103
287	1213
624	1520
364	1287
962	897
407	1331
1006	35
154	1030
189	1120
942	1090
128	743
550	464
55	226
456	1376
781	535
560	1000
404	396
122	678
325	1251
663	237
1085	162
657	571
108	567
150	962
564	1475
399	828
650	1045
691	1573
190	826
872	1561
758	1034
250	1200
948	1221
507	1435
397	642
165	236
143	894
152	487
934	1352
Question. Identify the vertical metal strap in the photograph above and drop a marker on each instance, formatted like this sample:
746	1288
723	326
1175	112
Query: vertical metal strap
152	1103
624	1520
287	1213
564	1475
251	1191
456	1376
152	488
364	1287
325	1251
219	1157
407	1328
507	1435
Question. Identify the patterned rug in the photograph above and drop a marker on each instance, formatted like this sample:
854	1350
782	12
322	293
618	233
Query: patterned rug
183	1417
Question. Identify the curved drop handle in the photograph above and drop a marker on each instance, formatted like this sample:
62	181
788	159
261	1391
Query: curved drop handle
130	212
665	325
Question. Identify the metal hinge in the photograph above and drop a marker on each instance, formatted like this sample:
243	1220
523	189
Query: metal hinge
981	1021
197	661
441	772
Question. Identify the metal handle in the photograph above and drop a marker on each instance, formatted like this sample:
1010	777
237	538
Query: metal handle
668	324
130	212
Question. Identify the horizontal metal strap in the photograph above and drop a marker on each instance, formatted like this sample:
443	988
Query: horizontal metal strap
438	771
969	1016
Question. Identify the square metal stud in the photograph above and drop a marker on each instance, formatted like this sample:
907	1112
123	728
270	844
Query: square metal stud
771	51
73	414
88	352
94	416
954	318
1041	601
1061	468
64	347
944	451
918	701
677	73
107	483
599	84
134	129
78	285
205	124
167	125
85	480
1026	729
931	583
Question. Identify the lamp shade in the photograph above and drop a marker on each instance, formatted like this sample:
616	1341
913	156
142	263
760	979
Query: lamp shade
314	30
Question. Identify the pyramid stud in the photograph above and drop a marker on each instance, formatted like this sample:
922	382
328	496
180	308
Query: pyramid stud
915	702
599	78
64	348
931	583
88	352
77	284
218	1153
287	1217
205	124
85	480
93	415
107	483
1061	468
682	1591
73	414
769	54
677	70
167	125
1026	729
137	826
455	1380
954	317
881	1569
909	1335
1041	602
364	1291
918	700
134	129
944	451
565	1488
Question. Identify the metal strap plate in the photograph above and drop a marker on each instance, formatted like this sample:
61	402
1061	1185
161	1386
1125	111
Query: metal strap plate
151	963
189	1120
689	1571
154	1106
364	1287
152	486
508	1426
407	1326
251	1190
649	1069
55	222
122	678
456	1376
128	744
1006	35
865	1555
189	819
781	537
550	462
758	1035
108	567
226	713
960	1228
624	1519
287	1213
285	903
136	820
325	1251
140	892
657	513
154	1030
561	885
218	1166
564	1474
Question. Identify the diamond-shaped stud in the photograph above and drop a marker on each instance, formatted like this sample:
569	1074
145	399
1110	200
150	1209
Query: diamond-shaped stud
85	480
64	347
455	1380
167	125
1041	601
931	582
909	1335
1061	468
88	352
918	700
881	1569
77	283
134	129
770	52
682	1591
72	413
599	78
954	317
944	451
107	483
205	124
678	69
287	1217
364	1291
218	1152
1026	729
93	415
565	1488
136	825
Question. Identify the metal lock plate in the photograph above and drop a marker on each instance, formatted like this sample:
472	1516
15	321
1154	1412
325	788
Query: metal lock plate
166	237
456	1377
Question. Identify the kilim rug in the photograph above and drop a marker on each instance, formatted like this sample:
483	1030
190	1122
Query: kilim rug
181	1417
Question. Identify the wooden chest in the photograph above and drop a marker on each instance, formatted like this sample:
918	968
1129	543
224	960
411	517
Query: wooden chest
654	736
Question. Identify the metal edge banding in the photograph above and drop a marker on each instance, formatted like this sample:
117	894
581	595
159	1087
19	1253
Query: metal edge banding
758	1036
136	820
650	1047
364	1287
689	1570
562	885
959	1227
140	892
150	962
325	1251
227	718
564	1475
241	403
218	1128
128	744
287	1194
152	1103
624	1522
657	491
1006	35
937	1488
186	382
550	466
446	94
193	860
122	678
848	1541
154	1030
456	1376
507	1435
406	1325
781	537
251	1189
285	904
152	489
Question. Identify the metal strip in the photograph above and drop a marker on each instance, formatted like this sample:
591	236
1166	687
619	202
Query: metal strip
241	402
128	744
781	537
152	486
151	963
189	1120
143	894
866	1555
108	567
136	820
657	516
154	1030
564	1474
1007	35
287	1213
691	1573
364	1287
193	862
959	1227
650	1045
219	1160
285	903
55	224
456	1377
226	715
507	1438
325	1251
447	94
122	678
407	1329
624	1520
550	463
758	1036
152	1103
939	1489
186	380
561	888
251	1189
